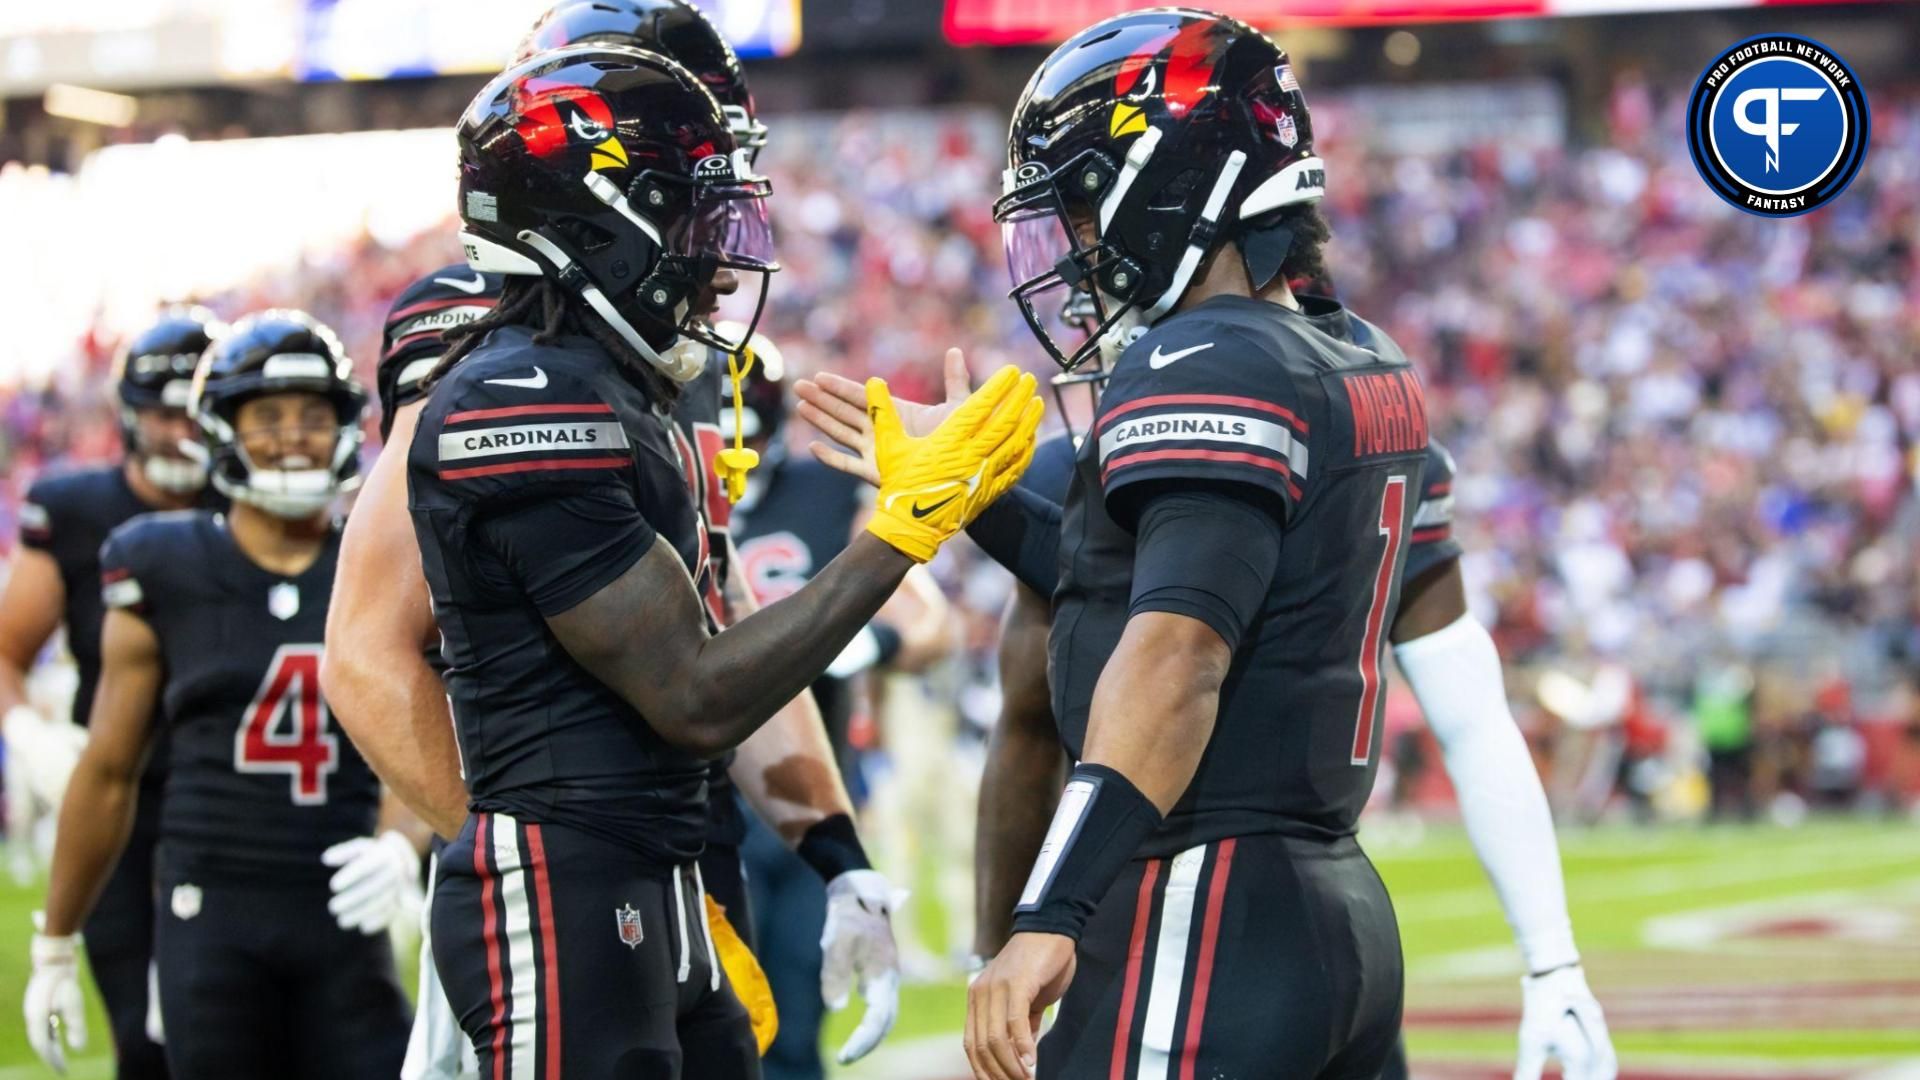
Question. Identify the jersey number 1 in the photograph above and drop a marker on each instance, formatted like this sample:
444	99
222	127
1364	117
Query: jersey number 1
300	745
1393	519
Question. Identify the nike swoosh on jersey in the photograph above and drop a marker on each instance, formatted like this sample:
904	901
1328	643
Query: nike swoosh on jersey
535	381
473	287
1159	359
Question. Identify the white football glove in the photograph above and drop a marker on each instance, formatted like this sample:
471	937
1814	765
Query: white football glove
47	750
857	944
375	876
1560	1018
56	1014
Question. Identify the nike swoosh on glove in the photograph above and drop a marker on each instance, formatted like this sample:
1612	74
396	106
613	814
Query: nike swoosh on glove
933	485
375	877
857	945
55	1013
1561	1018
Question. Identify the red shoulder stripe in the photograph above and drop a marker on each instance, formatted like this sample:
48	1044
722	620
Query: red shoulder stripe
529	410
536	465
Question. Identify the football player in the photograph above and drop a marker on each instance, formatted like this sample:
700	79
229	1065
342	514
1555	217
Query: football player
1449	660
1229	555
570	572
56	580
216	621
793	518
373	672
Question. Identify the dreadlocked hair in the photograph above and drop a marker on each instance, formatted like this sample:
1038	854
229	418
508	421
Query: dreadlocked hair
542	303
1307	261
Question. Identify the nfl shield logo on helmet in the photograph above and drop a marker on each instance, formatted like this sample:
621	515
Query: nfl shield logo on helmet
1289	135
629	922
283	601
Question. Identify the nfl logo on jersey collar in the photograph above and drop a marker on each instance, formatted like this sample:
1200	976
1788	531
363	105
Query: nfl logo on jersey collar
283	601
628	920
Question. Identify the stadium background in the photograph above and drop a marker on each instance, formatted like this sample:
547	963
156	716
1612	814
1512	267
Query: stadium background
1688	439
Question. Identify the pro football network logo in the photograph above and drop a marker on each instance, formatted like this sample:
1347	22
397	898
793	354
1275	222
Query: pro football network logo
1777	125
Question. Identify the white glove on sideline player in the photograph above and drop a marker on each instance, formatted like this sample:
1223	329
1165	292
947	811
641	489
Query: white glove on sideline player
1560	1018
375	876
857	945
56	1014
47	750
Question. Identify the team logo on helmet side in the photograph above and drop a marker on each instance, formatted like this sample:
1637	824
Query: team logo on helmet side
554	118
1180	83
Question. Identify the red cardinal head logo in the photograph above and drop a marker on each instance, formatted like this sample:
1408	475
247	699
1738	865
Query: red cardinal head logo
1179	83
555	117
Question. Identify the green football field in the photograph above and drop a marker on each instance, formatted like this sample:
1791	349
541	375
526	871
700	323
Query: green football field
1718	953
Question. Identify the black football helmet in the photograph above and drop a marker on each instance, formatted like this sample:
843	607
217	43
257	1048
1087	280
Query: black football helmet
413	339
675	29
612	171
155	371
1141	146
273	352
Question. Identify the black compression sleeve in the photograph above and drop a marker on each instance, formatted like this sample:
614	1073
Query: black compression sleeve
1021	532
832	847
1101	822
1206	555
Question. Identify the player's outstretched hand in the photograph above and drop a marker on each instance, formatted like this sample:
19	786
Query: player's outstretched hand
856	947
374	876
1561	1018
1005	1003
837	407
932	485
56	1015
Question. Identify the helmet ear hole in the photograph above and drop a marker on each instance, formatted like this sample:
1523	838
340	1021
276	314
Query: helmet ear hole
585	235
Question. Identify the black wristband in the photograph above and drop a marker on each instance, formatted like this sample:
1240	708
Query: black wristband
888	640
832	848
1101	823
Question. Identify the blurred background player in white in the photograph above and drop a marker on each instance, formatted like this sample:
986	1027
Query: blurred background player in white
271	946
55	583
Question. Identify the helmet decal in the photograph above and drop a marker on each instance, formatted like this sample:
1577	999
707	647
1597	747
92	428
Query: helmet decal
557	117
1188	77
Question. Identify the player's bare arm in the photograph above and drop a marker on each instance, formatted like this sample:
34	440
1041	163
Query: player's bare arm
374	674
30	610
643	635
1153	711
1020	784
98	811
785	770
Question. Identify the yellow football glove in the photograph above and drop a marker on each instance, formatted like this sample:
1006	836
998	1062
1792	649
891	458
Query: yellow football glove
744	972
932	486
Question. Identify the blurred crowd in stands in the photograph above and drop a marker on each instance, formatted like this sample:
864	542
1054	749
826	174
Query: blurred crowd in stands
1687	439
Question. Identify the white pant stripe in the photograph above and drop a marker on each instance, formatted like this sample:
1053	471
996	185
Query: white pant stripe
1170	962
523	987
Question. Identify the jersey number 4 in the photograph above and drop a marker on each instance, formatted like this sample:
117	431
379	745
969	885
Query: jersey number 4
1393	519
286	728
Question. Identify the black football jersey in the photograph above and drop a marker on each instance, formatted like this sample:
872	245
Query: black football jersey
1287	407
1429	545
1431	542
697	412
258	775
790	525
69	516
538	475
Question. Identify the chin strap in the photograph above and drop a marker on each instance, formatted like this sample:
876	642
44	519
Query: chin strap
677	364
734	463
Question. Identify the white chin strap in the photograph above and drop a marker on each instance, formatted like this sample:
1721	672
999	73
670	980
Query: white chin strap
1190	259
174	475
680	365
